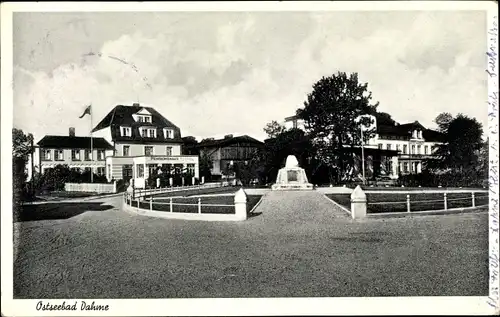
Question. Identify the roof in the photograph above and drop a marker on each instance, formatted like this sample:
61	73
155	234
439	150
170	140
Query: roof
291	118
230	141
121	115
73	142
404	130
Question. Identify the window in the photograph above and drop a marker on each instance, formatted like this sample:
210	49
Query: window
405	149
168	133
294	122
126	150
419	134
47	155
59	155
75	155
140	118
380	146
126	131
140	170
152	133
389	146
426	149
397	147
100	170
190	169
100	155
127	171
418	149
87	169
148	150
169	151
88	155
413	149
405	167
147	119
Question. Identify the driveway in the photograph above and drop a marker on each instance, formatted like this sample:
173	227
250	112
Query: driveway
298	244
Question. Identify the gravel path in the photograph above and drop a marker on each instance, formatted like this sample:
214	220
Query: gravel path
300	245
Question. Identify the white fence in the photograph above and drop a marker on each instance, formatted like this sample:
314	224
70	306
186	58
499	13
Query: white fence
91	188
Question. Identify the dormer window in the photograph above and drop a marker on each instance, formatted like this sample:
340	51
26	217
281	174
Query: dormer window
168	133
147	132
126	131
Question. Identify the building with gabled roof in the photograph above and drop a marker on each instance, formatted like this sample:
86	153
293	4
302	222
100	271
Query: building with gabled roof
144	138
227	151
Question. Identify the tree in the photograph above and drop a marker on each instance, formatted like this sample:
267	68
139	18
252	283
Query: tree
290	142
206	165
21	149
463	142
443	121
383	118
330	114
273	129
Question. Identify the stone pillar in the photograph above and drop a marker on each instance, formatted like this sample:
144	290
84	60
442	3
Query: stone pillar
358	203
171	181
193	180
203	180
240	204
158	182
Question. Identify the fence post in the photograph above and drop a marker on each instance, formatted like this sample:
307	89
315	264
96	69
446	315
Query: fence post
151	204
199	205
171	205
445	202
240	204
408	203
358	203
114	187
473	200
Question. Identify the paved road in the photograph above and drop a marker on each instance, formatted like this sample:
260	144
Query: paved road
300	245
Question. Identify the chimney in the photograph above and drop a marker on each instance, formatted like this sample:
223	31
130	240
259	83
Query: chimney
136	104
71	131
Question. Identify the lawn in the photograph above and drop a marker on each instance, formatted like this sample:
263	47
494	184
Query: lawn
395	202
164	205
199	191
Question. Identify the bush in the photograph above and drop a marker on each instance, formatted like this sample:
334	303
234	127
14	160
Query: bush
465	178
54	179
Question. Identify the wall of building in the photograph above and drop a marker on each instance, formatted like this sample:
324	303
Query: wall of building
138	149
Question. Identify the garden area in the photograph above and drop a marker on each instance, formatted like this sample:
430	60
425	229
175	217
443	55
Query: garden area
396	202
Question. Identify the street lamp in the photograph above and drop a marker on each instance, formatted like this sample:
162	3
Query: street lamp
363	127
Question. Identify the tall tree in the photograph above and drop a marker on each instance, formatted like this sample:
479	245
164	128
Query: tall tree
330	114
443	121
463	142
21	149
273	129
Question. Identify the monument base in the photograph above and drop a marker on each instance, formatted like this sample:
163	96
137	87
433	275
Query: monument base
290	186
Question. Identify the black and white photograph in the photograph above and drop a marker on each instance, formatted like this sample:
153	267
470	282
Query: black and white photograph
249	152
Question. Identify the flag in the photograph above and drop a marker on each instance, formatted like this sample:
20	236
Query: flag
87	111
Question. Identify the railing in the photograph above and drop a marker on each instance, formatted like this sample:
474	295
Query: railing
360	204
444	201
187	210
156	191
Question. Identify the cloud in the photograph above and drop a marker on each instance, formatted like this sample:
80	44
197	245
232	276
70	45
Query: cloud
214	74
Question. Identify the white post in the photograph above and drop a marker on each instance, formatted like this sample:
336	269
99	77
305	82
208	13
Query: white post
193	181
202	180
171	205
358	203
151	204
199	205
114	187
171	181
158	182
473	200
445	202
408	203
240	204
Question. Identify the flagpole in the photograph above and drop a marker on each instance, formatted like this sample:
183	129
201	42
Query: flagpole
91	147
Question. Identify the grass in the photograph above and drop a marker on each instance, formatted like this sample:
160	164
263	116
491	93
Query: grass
200	191
418	202
213	200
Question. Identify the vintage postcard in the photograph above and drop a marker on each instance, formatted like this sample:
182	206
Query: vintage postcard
260	158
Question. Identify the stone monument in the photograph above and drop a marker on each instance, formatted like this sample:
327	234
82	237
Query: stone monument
292	177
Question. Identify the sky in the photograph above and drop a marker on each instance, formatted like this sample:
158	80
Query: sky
217	73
